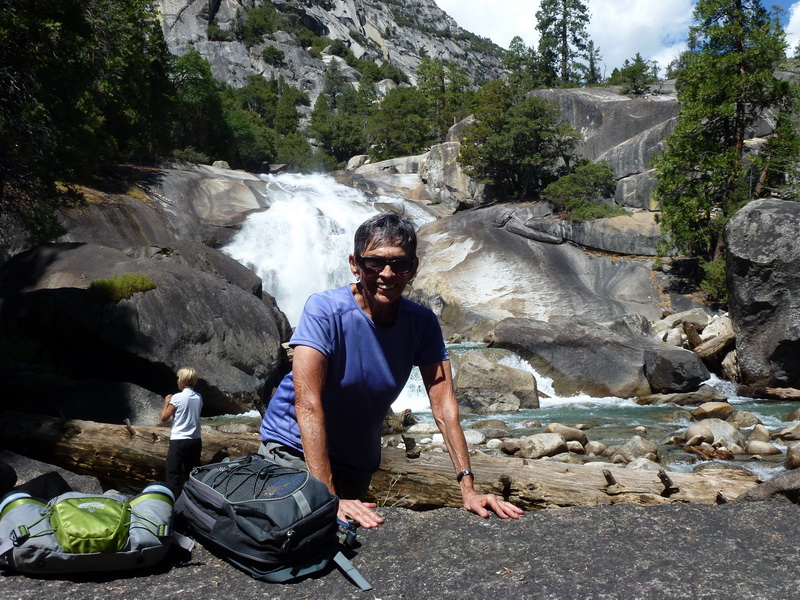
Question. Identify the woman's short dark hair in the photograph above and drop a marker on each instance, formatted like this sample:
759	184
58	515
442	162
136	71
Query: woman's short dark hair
386	229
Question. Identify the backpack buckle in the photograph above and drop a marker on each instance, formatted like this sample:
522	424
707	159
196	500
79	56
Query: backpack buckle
347	533
19	535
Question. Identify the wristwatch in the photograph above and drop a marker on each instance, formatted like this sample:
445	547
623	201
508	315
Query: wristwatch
465	473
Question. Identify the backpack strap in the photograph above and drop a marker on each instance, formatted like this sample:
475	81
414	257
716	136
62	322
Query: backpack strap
184	542
5	545
347	568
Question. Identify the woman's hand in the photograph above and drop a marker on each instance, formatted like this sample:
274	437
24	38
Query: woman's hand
478	503
360	512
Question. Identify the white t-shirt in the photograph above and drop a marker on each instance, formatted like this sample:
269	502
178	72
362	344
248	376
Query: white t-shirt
186	420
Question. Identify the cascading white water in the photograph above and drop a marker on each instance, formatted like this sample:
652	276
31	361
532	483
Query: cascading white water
300	245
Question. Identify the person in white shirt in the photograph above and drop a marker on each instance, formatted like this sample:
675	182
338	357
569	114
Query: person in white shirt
185	443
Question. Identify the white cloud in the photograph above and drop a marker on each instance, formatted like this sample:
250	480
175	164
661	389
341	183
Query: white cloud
793	28
655	28
498	20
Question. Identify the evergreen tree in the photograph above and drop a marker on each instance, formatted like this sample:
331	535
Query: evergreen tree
522	64
83	83
250	142
635	75
334	123
431	84
591	72
517	147
727	82
366	103
458	93
563	41
400	126
202	123
446	89
287	118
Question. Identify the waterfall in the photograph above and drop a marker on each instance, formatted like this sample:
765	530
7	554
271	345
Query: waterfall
300	244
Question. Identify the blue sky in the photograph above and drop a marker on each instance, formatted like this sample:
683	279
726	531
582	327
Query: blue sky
656	29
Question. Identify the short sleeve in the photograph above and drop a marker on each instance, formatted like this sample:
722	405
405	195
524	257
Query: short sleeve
315	326
431	349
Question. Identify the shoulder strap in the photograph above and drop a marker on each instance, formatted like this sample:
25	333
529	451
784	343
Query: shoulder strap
184	542
346	567
6	545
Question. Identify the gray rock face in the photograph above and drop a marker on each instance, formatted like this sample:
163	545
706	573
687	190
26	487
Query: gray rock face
636	234
581	357
199	203
603	118
474	270
763	271
191	318
372	30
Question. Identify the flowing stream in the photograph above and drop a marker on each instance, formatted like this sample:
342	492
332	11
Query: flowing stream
300	246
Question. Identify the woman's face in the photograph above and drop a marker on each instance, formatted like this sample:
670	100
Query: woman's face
384	286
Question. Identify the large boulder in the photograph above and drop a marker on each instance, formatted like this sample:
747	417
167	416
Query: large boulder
763	272
625	131
589	358
482	385
158	207
446	179
474	270
64	329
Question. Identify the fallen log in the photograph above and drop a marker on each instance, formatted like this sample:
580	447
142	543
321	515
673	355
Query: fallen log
429	482
125	461
768	393
716	346
120	456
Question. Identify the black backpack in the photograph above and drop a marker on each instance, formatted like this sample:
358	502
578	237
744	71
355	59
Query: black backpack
273	522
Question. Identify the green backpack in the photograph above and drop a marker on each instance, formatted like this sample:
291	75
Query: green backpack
78	532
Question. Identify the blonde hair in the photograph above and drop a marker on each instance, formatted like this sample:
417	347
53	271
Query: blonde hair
187	377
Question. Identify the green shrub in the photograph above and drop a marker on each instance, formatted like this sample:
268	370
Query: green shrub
190	155
217	34
714	283
273	55
581	193
121	287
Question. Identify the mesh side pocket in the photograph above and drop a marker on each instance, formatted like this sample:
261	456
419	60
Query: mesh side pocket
259	480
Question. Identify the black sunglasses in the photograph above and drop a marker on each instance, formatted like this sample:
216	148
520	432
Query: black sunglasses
375	264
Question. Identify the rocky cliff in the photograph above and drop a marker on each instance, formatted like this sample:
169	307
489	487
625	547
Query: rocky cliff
401	33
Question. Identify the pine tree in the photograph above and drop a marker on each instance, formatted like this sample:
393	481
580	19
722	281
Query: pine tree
726	83
519	147
522	65
635	75
592	74
563	41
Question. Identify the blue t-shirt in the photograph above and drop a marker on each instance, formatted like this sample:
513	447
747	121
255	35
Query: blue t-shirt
368	366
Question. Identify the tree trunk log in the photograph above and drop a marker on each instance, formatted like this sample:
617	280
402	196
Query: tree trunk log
128	462
769	393
429	482
109	452
716	346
